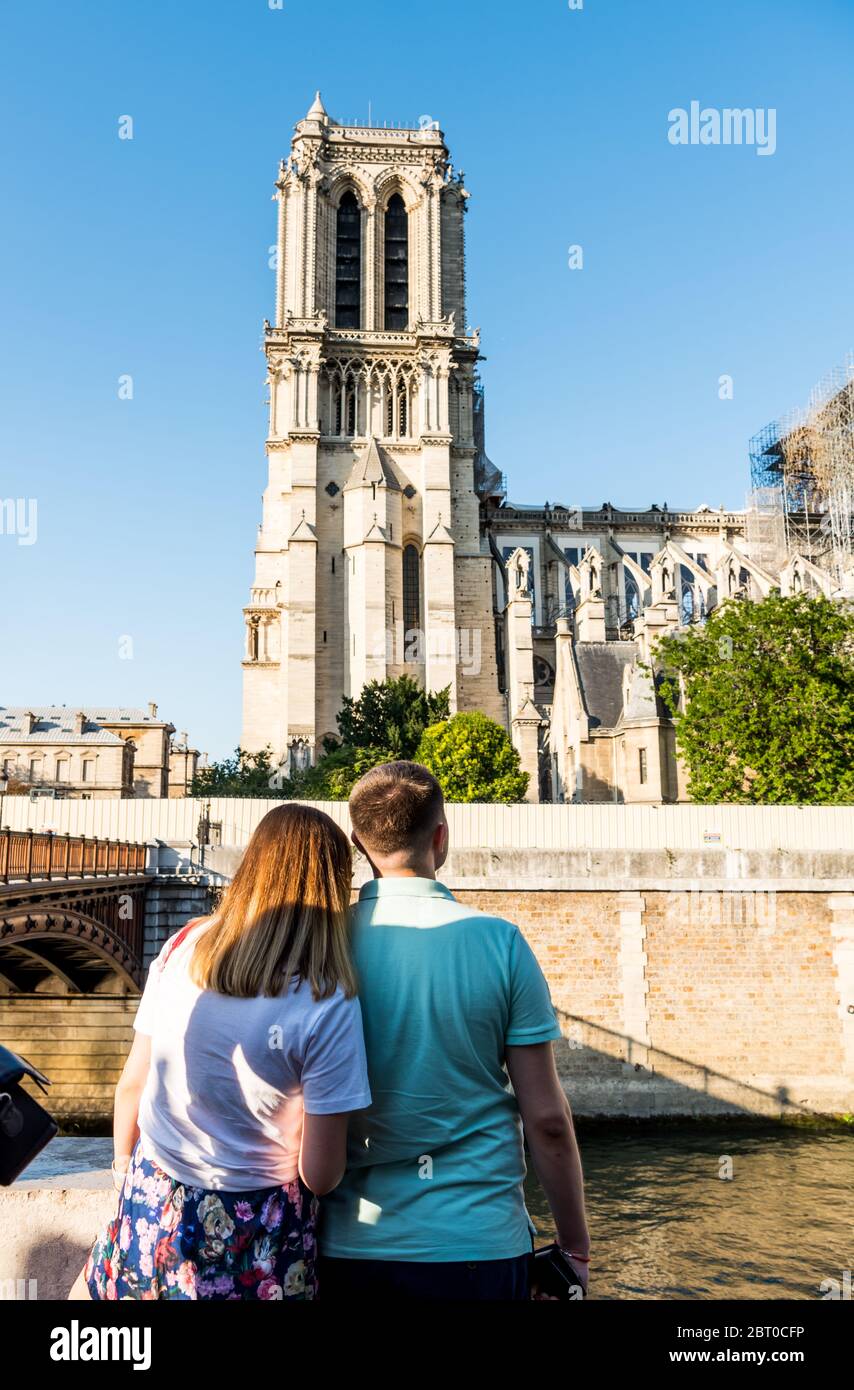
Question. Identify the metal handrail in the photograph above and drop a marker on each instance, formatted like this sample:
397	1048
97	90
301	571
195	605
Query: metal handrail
29	854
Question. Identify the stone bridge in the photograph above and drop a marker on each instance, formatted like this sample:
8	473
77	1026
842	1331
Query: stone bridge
80	919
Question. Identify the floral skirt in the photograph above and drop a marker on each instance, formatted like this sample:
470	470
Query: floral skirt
170	1241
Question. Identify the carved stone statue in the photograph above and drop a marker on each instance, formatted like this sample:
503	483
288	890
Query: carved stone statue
668	578
592	565
299	755
521	571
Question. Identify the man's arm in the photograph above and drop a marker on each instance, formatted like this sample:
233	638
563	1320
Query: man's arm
551	1140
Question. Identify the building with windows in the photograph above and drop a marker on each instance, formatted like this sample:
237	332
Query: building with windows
184	762
369	561
387	544
61	751
106	752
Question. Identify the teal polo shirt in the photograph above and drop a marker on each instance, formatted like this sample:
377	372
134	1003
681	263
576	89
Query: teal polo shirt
435	1165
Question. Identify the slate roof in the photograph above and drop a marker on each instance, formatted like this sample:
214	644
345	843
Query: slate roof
55	724
600	670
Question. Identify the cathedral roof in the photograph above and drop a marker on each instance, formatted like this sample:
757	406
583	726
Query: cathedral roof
317	109
373	467
600	673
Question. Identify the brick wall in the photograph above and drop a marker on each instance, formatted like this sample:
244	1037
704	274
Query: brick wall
80	1042
712	1002
706	996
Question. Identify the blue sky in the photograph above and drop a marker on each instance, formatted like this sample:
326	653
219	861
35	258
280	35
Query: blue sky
149	257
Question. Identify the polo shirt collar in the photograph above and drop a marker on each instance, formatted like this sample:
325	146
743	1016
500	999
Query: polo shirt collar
403	888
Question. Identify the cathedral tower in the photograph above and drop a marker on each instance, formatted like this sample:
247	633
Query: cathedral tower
369	558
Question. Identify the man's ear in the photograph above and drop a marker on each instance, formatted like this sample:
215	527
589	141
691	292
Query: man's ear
358	843
441	838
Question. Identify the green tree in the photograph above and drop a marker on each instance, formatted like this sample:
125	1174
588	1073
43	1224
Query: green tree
245	774
336	773
391	714
473	760
385	722
763	700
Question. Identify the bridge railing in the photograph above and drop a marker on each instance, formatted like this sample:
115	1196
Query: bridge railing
29	854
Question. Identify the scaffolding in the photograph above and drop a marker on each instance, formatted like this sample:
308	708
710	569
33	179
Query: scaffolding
802	470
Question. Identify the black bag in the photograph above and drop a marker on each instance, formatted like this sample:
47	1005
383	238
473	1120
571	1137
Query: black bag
25	1128
553	1275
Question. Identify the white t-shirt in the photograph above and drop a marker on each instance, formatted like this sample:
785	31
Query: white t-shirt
230	1078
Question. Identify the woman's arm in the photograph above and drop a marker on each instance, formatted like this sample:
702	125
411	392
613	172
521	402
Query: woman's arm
128	1093
551	1140
323	1152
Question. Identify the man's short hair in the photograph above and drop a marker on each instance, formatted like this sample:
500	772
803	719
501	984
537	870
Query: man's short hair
396	806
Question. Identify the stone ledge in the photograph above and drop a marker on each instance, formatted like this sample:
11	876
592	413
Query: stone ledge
51	1215
46	1231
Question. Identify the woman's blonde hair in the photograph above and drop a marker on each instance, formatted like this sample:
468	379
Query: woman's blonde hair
285	914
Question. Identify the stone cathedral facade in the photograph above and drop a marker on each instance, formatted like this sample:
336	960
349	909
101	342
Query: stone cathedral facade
387	545
370	527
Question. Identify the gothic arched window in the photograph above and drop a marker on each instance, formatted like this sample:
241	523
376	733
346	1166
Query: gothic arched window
687	594
411	589
632	598
348	264
396	265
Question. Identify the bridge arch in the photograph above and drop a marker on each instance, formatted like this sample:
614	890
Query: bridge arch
73	948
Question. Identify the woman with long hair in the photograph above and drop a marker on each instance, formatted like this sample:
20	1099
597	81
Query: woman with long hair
231	1112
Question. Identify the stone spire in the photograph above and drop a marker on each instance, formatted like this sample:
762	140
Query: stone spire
317	111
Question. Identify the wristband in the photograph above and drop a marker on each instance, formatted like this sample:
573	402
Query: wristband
571	1255
119	1173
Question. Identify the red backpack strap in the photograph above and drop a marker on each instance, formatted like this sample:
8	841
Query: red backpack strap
176	940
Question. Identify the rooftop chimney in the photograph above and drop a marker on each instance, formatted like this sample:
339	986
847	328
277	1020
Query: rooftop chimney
79	721
152	710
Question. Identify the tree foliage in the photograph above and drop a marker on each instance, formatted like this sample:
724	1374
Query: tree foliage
763	700
473	760
244	774
383	723
336	773
471	755
391	714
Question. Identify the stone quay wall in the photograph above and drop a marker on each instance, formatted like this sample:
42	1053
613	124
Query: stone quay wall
701	959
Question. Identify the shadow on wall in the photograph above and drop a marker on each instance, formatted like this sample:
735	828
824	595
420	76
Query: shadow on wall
608	1074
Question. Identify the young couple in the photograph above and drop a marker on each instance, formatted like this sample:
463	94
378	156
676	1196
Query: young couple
290	1048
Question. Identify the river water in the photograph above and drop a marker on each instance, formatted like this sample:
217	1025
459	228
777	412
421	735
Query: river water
665	1225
